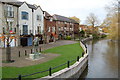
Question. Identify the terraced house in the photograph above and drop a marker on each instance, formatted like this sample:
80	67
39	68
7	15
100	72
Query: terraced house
66	26
8	18
27	21
49	28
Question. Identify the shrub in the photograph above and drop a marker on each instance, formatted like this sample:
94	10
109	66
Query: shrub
95	36
68	38
103	36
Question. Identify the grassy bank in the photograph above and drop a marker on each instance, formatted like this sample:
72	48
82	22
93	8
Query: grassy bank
67	52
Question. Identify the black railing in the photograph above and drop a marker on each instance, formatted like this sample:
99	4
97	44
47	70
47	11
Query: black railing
50	69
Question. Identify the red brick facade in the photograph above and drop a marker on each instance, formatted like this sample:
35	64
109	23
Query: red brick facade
59	27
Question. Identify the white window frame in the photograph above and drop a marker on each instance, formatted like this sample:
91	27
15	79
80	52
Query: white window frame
48	29
38	17
10	9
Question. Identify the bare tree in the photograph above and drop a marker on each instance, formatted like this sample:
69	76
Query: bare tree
92	20
7	34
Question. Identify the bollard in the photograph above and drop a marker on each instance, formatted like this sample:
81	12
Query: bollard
25	53
68	64
50	73
82	54
36	50
19	53
40	49
19	77
31	51
78	58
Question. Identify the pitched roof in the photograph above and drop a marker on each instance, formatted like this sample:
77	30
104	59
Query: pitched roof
63	18
47	15
18	3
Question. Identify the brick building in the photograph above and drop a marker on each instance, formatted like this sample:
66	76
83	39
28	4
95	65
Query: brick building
65	27
49	28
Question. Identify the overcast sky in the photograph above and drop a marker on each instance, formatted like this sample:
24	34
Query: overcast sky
78	8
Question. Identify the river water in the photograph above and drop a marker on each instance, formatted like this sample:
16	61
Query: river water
103	60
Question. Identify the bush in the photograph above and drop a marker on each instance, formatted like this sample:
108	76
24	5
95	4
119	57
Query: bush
95	36
103	36
68	38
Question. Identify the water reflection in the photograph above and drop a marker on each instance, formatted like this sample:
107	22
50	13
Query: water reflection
103	60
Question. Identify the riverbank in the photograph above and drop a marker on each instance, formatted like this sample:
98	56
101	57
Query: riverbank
66	50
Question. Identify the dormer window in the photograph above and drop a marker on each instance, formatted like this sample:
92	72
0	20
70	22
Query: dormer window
24	15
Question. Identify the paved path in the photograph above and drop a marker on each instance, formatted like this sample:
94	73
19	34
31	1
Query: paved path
22	61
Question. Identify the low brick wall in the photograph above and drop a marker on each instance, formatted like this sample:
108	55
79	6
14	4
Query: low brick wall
74	71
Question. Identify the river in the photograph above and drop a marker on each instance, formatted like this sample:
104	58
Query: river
103	60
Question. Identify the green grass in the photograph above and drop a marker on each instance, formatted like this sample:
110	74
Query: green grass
67	52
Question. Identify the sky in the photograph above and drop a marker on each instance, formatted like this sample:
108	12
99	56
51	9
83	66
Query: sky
69	8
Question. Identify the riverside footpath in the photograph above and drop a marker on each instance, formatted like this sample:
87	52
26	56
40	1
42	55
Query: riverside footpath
21	59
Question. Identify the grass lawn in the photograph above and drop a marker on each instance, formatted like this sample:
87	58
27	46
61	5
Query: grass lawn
67	52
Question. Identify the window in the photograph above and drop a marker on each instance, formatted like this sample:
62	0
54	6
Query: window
59	29
25	29
53	29
39	17
10	12
51	19
25	15
49	29
65	28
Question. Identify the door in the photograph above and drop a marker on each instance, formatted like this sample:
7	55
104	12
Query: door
30	41
24	41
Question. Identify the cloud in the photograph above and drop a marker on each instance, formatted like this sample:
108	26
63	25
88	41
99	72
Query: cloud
78	8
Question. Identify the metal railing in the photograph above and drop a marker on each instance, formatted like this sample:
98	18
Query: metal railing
67	63
50	69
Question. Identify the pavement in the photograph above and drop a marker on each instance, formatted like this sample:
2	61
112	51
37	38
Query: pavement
23	60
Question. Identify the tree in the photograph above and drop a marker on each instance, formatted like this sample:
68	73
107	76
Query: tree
75	18
7	34
112	20
92	20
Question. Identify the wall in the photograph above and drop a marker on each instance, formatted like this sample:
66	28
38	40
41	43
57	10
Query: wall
73	72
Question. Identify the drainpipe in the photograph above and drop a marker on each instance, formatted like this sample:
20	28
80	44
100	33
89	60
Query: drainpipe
33	22
18	26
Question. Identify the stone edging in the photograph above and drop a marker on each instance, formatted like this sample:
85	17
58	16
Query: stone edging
74	71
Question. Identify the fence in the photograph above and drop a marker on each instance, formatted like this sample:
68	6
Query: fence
67	63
